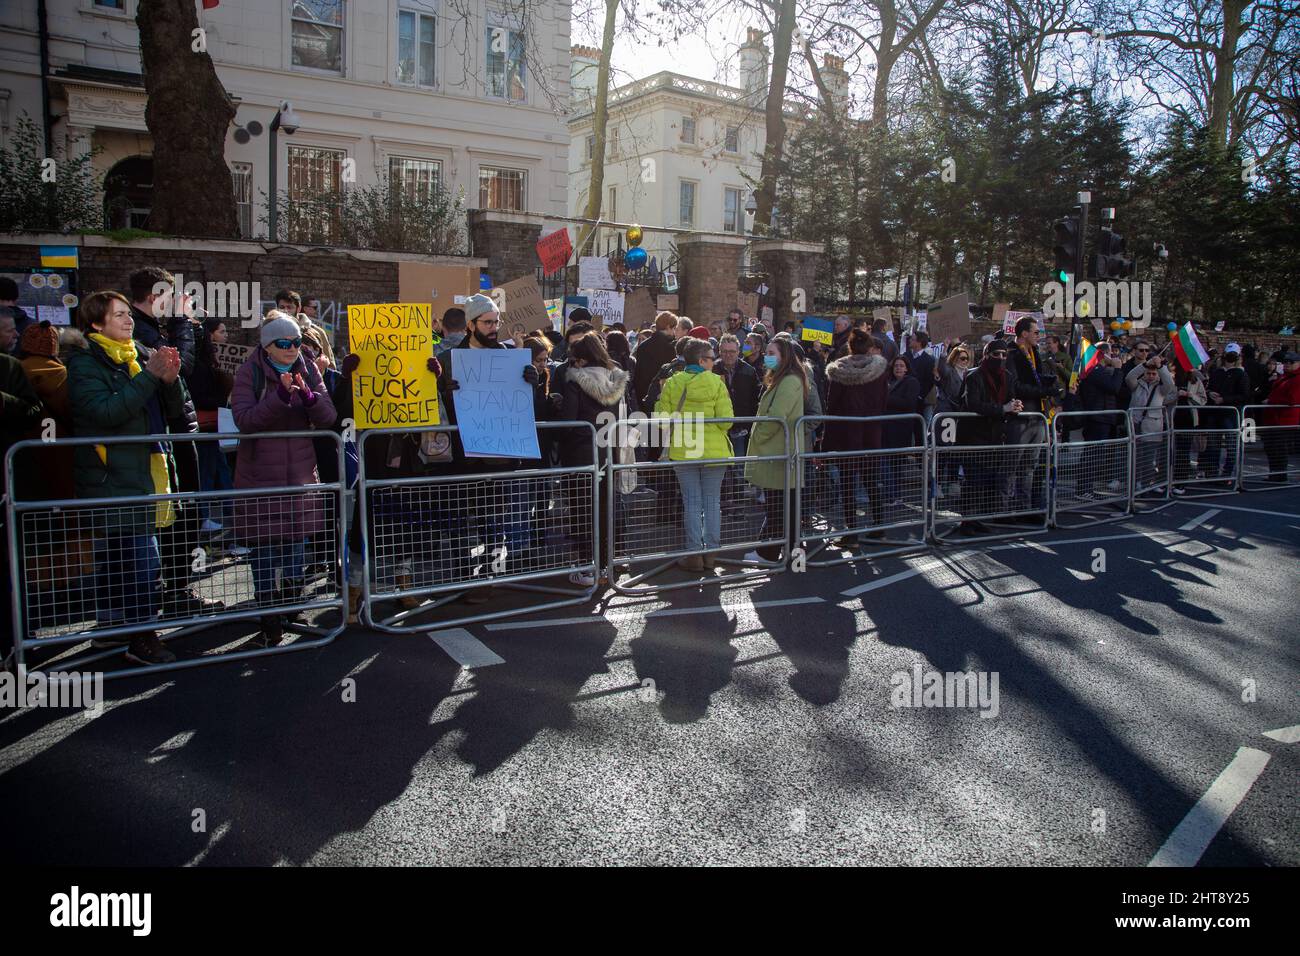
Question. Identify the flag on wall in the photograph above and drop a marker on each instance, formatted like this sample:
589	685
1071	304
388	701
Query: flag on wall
59	257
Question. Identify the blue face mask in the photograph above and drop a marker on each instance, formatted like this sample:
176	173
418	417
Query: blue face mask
770	362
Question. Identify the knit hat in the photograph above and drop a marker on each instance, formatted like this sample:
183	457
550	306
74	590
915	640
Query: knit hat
478	304
281	327
40	338
700	332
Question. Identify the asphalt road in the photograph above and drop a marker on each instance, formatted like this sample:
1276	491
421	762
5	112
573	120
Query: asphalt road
767	736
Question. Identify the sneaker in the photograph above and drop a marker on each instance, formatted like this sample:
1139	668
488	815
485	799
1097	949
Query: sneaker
148	650
403	583
272	631
1178	491
848	542
209	526
710	561
691	562
1114	485
583	579
186	603
239	551
753	556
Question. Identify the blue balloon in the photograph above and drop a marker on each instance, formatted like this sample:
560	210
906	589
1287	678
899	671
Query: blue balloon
635	257
484	281
1172	327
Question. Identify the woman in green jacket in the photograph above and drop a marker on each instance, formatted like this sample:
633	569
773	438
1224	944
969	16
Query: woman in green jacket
786	387
690	395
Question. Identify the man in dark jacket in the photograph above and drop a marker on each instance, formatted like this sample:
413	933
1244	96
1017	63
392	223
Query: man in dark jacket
20	412
742	386
922	369
161	318
989	391
1099	391
1036	387
653	352
1229	388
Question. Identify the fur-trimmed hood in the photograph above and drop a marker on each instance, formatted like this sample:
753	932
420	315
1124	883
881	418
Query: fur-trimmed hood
606	386
71	338
856	369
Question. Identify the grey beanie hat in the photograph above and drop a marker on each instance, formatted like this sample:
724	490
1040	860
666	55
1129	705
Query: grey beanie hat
281	327
478	304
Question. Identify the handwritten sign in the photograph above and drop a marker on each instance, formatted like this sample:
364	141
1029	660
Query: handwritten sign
638	310
554	250
393	385
494	405
593	273
606	304
231	356
525	310
949	318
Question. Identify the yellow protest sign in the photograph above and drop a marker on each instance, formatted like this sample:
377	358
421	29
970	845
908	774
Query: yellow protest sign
393	385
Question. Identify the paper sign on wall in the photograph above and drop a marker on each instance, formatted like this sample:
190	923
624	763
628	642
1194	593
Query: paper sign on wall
393	385
593	273
494	405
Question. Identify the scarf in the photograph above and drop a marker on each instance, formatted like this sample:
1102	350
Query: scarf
282	369
998	385
695	369
124	353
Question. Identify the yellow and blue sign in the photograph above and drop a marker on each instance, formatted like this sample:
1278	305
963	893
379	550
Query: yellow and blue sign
59	257
817	329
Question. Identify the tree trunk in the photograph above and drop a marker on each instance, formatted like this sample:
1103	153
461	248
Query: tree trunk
775	133
188	113
599	121
1225	62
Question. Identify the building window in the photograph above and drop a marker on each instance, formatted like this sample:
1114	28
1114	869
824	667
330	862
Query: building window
688	130
612	211
686	202
111	4
317	34
613	141
315	178
505	64
731	210
417	178
732	142
241	174
415	46
591	147
501	188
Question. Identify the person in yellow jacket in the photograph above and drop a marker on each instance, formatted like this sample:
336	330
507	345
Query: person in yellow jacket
785	388
693	394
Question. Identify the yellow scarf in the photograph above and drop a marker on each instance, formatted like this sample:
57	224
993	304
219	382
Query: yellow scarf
124	353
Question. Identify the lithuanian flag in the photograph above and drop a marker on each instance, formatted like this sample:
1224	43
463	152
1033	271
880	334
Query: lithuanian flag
1191	354
1084	361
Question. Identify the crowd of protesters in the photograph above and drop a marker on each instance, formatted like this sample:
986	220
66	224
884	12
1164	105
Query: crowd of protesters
734	389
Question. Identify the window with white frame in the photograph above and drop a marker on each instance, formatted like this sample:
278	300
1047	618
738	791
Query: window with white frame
731	210
416	35
317	27
688	130
686	202
241	175
416	178
500	188
731	142
110	5
505	64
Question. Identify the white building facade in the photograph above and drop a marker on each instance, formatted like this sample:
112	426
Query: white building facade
469	94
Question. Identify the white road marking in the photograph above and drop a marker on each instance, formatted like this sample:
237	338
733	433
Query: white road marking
741	607
1285	735
465	649
1199	520
1254	511
886	581
1198	829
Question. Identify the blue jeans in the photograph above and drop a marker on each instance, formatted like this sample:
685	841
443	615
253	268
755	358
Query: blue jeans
126	579
702	503
507	513
289	557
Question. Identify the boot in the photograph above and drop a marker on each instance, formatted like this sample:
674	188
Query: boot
403	583
354	604
691	562
710	561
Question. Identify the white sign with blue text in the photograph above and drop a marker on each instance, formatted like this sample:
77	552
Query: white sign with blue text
494	405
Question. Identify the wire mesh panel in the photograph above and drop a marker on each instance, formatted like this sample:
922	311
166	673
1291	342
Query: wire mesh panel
1213	449
1152	453
667	513
985	490
436	531
1091	478
1270	445
865	503
107	570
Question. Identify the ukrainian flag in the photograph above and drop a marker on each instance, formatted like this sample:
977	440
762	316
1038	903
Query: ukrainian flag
59	257
818	330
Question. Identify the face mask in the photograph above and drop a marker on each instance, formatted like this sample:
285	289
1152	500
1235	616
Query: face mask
994	364
770	362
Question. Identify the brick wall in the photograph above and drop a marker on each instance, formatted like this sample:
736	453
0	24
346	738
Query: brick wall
789	266
508	241
707	274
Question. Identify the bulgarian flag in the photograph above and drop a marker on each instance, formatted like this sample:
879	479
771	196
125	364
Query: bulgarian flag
1085	361
1191	353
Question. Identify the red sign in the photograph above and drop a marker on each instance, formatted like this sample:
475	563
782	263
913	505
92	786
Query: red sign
554	250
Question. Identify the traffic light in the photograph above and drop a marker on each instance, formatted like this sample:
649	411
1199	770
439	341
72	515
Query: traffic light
1110	261
1065	234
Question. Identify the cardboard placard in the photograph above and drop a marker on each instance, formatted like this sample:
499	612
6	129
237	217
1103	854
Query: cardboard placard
883	313
747	302
494	405
554	250
638	310
1000	310
949	317
231	356
667	303
442	287
593	273
524	312
393	385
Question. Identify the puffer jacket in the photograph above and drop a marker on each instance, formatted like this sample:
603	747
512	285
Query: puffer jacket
768	438
857	389
705	397
1148	400
277	462
1285	391
589	393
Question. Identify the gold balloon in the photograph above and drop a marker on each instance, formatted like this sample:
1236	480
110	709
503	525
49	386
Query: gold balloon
634	235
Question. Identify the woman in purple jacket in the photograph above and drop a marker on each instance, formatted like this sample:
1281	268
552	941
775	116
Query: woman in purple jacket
277	389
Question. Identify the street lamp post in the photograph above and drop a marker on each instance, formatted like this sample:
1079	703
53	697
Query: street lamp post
286	119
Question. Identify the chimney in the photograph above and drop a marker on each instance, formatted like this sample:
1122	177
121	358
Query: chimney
583	67
836	79
753	65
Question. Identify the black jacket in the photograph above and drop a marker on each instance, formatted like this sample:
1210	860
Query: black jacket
901	398
1033	385
743	389
180	336
589	393
977	396
857	390
1099	391
1233	385
923	372
651	354
20	411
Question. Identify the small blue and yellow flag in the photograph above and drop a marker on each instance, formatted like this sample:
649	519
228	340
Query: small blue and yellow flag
59	257
816	329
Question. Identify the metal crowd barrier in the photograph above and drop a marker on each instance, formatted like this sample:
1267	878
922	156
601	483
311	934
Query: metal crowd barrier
89	569
647	524
1218	465
1151	454
448	530
988	483
1270	452
894	516
1091	478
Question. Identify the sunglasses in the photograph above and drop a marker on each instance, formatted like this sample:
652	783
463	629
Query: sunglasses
287	343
